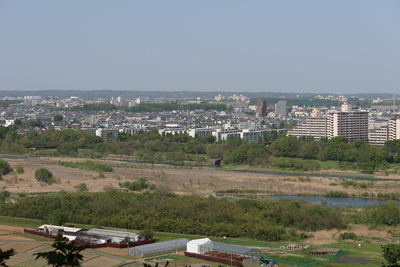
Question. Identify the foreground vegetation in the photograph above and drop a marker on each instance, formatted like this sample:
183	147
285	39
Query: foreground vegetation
272	220
263	220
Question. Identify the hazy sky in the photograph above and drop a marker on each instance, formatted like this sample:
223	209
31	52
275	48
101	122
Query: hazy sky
218	45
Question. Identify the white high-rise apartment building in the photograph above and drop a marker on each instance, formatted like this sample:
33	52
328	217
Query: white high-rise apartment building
313	126
353	125
394	129
281	108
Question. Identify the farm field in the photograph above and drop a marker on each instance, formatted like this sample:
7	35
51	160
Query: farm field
108	257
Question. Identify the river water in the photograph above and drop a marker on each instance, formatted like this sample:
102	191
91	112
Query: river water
335	202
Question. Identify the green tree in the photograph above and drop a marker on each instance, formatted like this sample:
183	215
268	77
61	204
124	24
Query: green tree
37	123
336	148
64	254
58	118
310	150
110	136
189	146
43	175
4	195
11	136
67	148
147	233
32	134
82	187
289	146
19	169
17	122
5	255
26	143
391	253
58	217
269	137
4	167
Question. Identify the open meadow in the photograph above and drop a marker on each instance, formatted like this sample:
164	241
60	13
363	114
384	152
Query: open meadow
202	181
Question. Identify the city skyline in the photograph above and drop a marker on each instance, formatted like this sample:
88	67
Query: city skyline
336	47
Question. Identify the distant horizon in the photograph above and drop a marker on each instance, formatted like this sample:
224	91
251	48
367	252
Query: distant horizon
191	91
261	93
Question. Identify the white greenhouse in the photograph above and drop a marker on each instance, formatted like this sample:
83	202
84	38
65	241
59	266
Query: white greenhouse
205	245
159	248
194	246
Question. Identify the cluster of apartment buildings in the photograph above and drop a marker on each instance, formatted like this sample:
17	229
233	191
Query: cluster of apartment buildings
351	124
281	108
237	98
375	127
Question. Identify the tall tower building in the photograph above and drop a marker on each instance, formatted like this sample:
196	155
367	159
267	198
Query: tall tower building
353	125
281	108
261	108
394	129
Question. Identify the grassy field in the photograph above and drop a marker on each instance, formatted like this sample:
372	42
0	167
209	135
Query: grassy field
21	222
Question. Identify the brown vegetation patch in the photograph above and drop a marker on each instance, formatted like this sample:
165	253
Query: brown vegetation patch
14	237
114	251
20	246
333	236
12	228
19	258
100	261
203	181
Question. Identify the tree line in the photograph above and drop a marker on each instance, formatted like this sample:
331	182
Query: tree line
358	155
263	220
268	220
276	150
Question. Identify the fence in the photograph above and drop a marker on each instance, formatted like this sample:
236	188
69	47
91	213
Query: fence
113	245
214	259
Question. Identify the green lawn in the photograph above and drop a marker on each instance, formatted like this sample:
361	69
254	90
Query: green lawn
353	246
21	222
332	164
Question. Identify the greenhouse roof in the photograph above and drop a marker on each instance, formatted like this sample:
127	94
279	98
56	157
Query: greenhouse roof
162	245
228	248
104	232
200	241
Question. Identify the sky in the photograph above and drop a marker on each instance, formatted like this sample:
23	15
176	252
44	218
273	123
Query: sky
307	46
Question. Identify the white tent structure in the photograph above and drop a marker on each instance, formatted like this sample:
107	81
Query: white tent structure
205	245
194	246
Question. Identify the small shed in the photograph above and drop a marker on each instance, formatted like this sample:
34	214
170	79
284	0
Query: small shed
325	251
110	236
57	229
159	248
